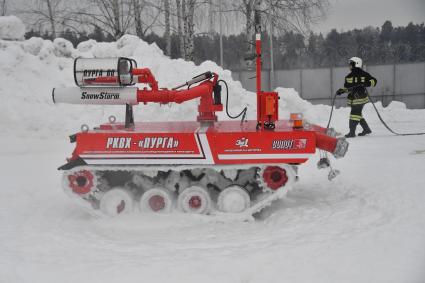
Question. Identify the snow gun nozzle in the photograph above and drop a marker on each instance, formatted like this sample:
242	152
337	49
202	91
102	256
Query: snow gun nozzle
199	78
341	148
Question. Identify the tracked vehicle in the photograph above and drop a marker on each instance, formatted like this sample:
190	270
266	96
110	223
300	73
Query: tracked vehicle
204	167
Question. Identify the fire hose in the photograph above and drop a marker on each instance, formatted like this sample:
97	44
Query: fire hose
379	116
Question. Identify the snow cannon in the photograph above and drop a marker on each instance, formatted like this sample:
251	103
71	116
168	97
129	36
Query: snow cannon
206	166
100	81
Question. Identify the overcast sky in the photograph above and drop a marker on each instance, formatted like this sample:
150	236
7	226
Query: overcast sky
348	14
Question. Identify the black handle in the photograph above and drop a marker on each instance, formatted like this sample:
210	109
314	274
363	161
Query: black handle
199	78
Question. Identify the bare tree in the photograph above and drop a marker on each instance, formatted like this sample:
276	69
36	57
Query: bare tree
211	17
185	16
167	33
50	10
286	14
185	28
180	28
114	16
296	15
146	14
190	31
247	8
3	7
137	12
47	11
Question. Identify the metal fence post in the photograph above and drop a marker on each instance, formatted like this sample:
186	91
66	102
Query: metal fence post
394	85
331	81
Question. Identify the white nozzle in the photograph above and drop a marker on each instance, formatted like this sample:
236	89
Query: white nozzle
95	95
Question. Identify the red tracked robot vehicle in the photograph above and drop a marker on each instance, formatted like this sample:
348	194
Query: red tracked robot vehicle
205	166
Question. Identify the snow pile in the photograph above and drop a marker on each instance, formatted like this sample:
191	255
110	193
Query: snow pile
290	101
32	68
11	28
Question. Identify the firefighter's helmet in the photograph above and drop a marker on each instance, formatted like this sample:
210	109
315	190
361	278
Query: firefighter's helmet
356	62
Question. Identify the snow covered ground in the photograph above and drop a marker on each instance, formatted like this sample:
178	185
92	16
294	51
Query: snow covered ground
368	225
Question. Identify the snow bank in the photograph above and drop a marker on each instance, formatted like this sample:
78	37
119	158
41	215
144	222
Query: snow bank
290	101
32	68
11	28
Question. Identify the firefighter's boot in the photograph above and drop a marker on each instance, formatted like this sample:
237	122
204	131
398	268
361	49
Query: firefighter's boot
365	126
353	126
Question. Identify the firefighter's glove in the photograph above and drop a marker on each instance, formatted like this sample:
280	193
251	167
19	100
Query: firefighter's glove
341	91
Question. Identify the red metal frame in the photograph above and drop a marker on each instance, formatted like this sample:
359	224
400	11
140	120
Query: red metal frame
223	143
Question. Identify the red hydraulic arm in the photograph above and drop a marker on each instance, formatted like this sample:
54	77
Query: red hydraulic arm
204	90
145	76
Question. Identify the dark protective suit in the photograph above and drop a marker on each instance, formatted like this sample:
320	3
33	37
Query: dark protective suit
355	84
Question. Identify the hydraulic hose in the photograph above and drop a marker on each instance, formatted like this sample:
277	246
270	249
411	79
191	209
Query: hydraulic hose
242	113
385	124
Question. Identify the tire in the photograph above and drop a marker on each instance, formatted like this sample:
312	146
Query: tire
116	201
233	199
195	200
156	200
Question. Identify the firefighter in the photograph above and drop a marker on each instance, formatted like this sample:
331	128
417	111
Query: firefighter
355	84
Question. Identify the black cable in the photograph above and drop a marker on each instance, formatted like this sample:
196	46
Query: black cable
332	110
385	124
242	113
